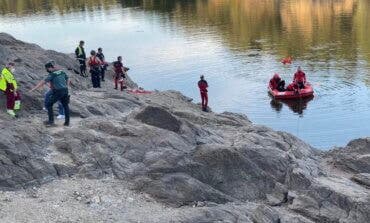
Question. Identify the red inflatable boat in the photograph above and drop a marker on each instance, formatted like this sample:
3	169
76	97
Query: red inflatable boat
303	93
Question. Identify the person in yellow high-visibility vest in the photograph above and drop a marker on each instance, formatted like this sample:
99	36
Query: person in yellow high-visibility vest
81	57
9	86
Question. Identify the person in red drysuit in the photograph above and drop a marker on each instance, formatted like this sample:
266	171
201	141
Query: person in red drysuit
119	73
203	85
95	65
300	78
277	83
292	87
287	60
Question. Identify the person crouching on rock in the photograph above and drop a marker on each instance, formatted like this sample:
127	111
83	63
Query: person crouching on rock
9	85
120	73
95	65
277	83
203	85
59	83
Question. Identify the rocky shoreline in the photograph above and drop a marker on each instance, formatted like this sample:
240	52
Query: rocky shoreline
158	158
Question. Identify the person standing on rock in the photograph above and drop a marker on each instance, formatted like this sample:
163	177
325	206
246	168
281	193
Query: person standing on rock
104	64
94	65
59	82
203	85
120	73
9	86
81	57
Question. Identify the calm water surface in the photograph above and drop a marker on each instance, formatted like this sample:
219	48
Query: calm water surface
237	44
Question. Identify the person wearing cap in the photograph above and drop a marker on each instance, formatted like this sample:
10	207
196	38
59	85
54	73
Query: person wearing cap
81	57
9	86
203	85
59	82
104	64
94	65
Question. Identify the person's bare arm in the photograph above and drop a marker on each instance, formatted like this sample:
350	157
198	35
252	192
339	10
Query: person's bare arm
39	85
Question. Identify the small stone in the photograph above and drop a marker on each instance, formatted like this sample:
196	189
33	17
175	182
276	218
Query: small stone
362	179
291	196
211	204
7	200
34	195
200	204
96	200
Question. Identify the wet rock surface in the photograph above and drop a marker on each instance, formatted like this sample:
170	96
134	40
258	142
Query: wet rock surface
182	164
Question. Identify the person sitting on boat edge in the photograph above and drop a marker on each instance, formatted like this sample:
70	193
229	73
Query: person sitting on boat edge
277	83
300	78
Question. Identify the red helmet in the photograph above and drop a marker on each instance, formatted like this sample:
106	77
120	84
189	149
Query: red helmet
276	76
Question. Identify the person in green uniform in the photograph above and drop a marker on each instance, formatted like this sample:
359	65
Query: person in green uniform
59	82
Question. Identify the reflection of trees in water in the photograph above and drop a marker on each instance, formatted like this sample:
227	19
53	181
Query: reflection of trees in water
362	21
316	30
322	31
29	7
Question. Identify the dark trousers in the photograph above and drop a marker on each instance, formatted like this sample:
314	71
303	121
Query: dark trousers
119	80
82	67
281	85
300	84
95	77
46	101
11	97
62	96
204	96
102	73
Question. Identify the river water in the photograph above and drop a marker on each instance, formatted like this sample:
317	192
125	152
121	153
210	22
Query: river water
236	44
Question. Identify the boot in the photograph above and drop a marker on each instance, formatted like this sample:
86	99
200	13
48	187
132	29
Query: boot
17	105
11	113
49	124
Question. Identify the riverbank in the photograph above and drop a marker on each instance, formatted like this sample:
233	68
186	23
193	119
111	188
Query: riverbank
161	154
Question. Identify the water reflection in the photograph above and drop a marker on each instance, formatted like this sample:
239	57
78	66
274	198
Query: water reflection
302	28
297	106
23	8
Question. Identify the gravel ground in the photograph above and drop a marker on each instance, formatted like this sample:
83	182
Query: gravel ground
80	200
